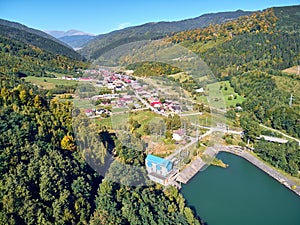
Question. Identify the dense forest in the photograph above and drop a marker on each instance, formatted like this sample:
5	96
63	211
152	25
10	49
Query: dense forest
23	59
41	183
152	69
268	103
248	43
284	156
45	179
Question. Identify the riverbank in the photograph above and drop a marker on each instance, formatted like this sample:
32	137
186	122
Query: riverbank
198	165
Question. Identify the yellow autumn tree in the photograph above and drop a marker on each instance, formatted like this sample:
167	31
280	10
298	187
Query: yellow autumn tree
68	143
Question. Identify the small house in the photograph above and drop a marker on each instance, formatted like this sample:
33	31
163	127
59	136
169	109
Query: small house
156	104
89	112
158	168
200	90
178	135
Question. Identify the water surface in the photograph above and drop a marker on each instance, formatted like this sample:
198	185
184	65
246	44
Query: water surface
241	195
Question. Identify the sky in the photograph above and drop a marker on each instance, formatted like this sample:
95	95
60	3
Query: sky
102	16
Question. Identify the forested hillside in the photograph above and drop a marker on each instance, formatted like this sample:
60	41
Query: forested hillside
265	40
21	33
152	69
44	179
105	42
25	60
251	53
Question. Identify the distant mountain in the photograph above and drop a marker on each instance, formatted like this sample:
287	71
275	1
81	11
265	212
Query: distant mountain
58	34
105	42
73	38
76	41
21	33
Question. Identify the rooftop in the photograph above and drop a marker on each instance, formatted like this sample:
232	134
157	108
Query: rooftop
159	161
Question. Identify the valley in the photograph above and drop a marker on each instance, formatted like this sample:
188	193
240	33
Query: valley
124	129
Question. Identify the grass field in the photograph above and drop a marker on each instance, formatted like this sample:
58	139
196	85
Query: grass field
83	104
180	76
222	94
49	83
143	117
103	122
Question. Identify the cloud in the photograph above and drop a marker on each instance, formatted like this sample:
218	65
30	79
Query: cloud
123	25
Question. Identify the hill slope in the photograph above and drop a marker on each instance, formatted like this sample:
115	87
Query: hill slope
24	59
266	40
36	38
251	52
105	42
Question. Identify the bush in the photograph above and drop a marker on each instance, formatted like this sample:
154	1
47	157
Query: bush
187	160
242	144
195	152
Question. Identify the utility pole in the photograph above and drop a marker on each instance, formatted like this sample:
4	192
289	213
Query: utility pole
291	100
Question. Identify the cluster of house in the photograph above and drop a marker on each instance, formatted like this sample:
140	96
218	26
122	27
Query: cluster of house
152	97
117	85
114	82
120	100
97	112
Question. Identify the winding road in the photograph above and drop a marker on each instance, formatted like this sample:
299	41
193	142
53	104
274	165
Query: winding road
283	134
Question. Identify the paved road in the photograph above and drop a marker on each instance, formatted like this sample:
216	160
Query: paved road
283	134
191	114
219	129
147	105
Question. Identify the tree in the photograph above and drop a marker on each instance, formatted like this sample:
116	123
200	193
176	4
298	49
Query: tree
173	122
68	143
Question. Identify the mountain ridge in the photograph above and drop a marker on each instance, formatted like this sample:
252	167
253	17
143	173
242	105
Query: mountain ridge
72	32
23	27
105	42
37	38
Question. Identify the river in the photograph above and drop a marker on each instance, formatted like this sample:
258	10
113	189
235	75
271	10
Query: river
241	195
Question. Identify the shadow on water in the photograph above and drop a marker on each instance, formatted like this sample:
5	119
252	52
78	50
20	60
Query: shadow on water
196	215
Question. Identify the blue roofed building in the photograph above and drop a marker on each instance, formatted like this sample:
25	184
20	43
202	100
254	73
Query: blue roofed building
158	168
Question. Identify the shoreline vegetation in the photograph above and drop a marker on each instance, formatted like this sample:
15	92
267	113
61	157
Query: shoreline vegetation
220	163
